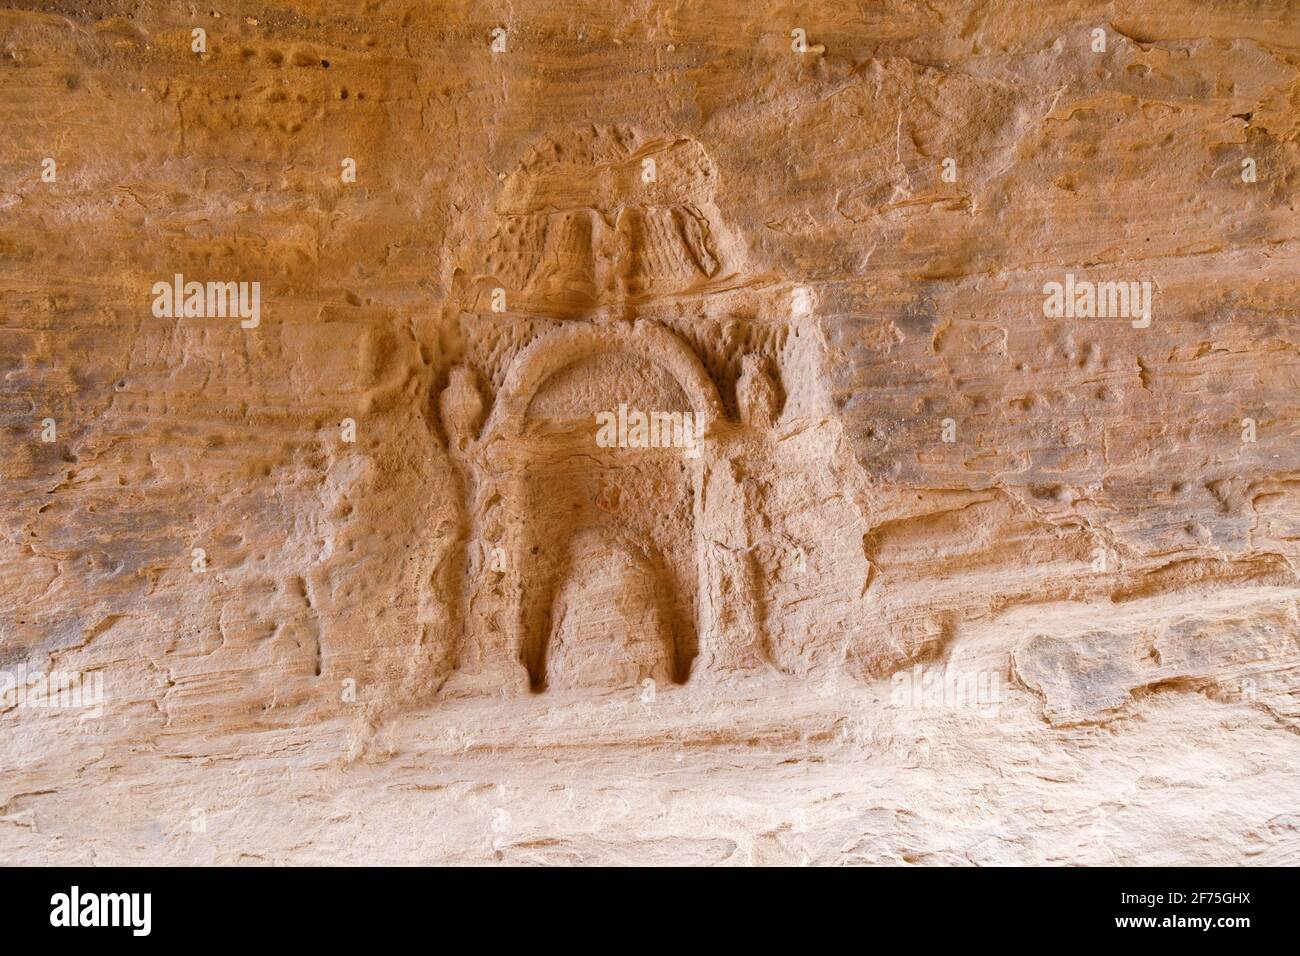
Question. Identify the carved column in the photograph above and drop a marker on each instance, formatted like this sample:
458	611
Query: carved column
730	635
484	659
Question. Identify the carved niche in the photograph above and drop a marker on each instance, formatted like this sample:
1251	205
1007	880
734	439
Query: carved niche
627	400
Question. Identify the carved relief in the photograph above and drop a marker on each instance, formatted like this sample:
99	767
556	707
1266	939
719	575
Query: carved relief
645	391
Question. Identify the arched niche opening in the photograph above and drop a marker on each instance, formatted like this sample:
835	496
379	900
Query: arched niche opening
602	535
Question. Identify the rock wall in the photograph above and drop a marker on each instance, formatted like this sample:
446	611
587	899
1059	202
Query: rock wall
959	525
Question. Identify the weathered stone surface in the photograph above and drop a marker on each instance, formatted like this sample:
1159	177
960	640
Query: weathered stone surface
914	570
1249	656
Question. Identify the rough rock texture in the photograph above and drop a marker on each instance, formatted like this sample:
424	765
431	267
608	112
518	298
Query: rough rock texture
920	571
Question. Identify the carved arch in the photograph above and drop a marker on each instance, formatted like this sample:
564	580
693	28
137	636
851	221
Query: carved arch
573	342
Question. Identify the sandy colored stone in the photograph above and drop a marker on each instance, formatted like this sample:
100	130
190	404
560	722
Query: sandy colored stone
806	629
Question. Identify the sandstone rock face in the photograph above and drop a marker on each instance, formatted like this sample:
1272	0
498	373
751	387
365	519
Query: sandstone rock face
669	433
